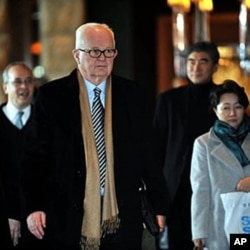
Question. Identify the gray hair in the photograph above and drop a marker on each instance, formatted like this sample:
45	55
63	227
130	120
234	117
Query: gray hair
5	74
81	29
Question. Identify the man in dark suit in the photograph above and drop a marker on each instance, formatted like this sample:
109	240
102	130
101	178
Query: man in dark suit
181	115
19	87
66	205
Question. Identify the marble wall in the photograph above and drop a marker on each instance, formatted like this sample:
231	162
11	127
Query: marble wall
4	42
57	21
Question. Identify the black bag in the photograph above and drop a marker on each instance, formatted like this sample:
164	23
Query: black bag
148	214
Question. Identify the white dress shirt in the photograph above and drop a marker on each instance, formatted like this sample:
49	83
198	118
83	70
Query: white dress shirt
11	113
91	94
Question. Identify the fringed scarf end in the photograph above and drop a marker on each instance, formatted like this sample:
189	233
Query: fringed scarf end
89	243
110	226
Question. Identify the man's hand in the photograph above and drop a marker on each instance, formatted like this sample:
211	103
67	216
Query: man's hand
37	223
161	220
15	230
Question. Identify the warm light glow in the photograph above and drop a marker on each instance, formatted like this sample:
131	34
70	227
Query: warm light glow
243	16
206	5
247	2
36	48
180	26
185	4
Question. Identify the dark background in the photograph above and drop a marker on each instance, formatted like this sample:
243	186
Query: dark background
134	23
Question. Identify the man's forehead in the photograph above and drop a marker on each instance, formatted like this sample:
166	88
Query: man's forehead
199	56
19	70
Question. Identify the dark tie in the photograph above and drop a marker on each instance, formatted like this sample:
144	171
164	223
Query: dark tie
19	122
98	125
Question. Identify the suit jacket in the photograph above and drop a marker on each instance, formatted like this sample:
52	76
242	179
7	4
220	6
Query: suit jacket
214	170
12	142
54	176
181	115
5	238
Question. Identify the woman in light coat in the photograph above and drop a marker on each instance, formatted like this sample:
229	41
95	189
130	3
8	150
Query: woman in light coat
220	164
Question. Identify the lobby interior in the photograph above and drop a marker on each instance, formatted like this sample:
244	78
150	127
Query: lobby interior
41	33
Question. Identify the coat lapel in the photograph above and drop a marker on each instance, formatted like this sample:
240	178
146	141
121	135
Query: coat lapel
224	154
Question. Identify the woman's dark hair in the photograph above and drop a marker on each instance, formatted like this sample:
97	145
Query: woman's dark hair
228	86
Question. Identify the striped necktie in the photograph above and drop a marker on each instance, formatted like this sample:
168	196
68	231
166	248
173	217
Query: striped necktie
98	125
19	122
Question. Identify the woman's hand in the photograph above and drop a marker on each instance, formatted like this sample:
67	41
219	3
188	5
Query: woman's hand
199	243
244	184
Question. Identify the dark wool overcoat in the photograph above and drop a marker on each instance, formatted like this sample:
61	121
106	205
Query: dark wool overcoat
55	171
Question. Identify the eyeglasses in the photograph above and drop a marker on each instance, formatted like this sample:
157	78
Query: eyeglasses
228	109
96	53
20	81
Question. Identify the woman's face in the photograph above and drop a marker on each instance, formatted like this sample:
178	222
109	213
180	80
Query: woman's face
229	110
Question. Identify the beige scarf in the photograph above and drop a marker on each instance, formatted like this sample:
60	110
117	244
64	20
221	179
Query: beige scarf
97	221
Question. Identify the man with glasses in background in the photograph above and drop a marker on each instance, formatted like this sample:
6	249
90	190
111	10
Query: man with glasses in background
90	145
15	116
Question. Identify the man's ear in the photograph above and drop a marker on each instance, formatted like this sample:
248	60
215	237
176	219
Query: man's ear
5	88
75	54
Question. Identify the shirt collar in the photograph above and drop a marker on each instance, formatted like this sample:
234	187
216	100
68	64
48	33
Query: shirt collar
11	111
90	86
